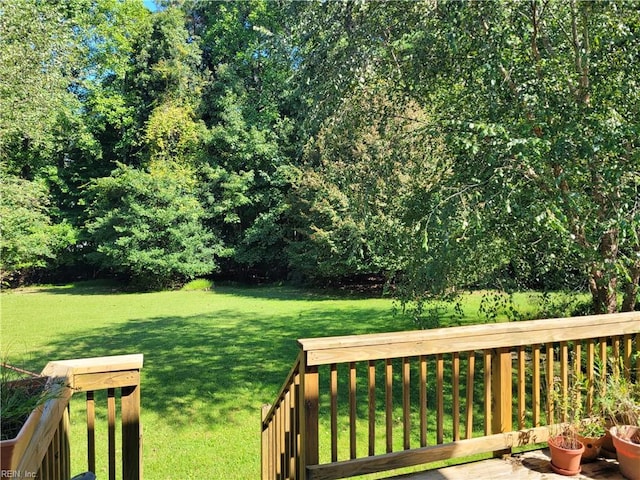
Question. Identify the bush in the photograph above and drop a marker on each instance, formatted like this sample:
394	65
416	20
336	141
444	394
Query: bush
148	225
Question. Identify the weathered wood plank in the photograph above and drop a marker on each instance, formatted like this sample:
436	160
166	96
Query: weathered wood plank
131	433
532	465
419	456
100	381
327	350
113	363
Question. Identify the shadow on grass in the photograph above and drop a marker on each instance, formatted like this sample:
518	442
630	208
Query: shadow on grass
273	292
215	365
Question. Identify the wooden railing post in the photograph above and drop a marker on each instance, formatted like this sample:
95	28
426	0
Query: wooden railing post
500	344
131	433
308	411
501	387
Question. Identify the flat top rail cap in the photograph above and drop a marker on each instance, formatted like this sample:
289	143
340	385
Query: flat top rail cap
116	363
442	340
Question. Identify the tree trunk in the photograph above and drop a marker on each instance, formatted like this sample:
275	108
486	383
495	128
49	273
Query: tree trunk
603	292
631	288
603	281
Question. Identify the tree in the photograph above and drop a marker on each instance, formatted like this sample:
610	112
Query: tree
30	239
534	102
148	226
552	140
362	169
248	106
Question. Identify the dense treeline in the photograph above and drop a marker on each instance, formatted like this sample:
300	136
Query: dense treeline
439	144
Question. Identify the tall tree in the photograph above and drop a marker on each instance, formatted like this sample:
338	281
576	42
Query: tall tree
36	54
147	225
552	140
535	102
37	57
247	104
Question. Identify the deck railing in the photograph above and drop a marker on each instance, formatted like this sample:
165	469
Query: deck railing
370	403
48	455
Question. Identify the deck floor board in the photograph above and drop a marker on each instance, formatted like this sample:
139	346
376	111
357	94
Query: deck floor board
532	465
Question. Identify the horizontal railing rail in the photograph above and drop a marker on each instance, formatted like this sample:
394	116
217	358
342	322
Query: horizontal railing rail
370	403
48	454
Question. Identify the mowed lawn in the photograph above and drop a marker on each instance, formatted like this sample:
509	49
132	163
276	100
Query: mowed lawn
212	359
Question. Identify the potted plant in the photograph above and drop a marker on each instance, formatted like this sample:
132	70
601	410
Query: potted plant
21	403
591	433
621	405
566	451
565	447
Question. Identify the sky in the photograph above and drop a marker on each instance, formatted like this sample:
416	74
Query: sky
150	4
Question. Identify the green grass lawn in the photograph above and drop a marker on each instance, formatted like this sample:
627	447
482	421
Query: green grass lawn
212	359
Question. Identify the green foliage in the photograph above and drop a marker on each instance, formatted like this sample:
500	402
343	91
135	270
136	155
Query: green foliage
32	98
31	238
447	145
19	397
172	134
198	284
148	225
618	398
530	118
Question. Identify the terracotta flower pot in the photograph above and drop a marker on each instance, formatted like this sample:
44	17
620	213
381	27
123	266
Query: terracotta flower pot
565	461
628	450
592	446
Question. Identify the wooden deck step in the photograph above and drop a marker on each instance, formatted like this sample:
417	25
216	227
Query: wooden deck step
532	465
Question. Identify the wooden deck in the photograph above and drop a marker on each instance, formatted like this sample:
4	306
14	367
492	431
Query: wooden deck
391	402
532	465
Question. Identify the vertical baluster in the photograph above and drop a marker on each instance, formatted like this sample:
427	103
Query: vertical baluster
309	405
439	399
564	376
536	385
286	429
637	356
277	427
56	444
51	461
603	360
471	372
423	401
577	368
298	423
265	454
550	375
91	431
293	437
65	451
488	422
627	355
111	419
352	410
389	403
522	381
334	411
502	390
406	403
615	347
455	374
42	471
273	442
372	407
590	346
